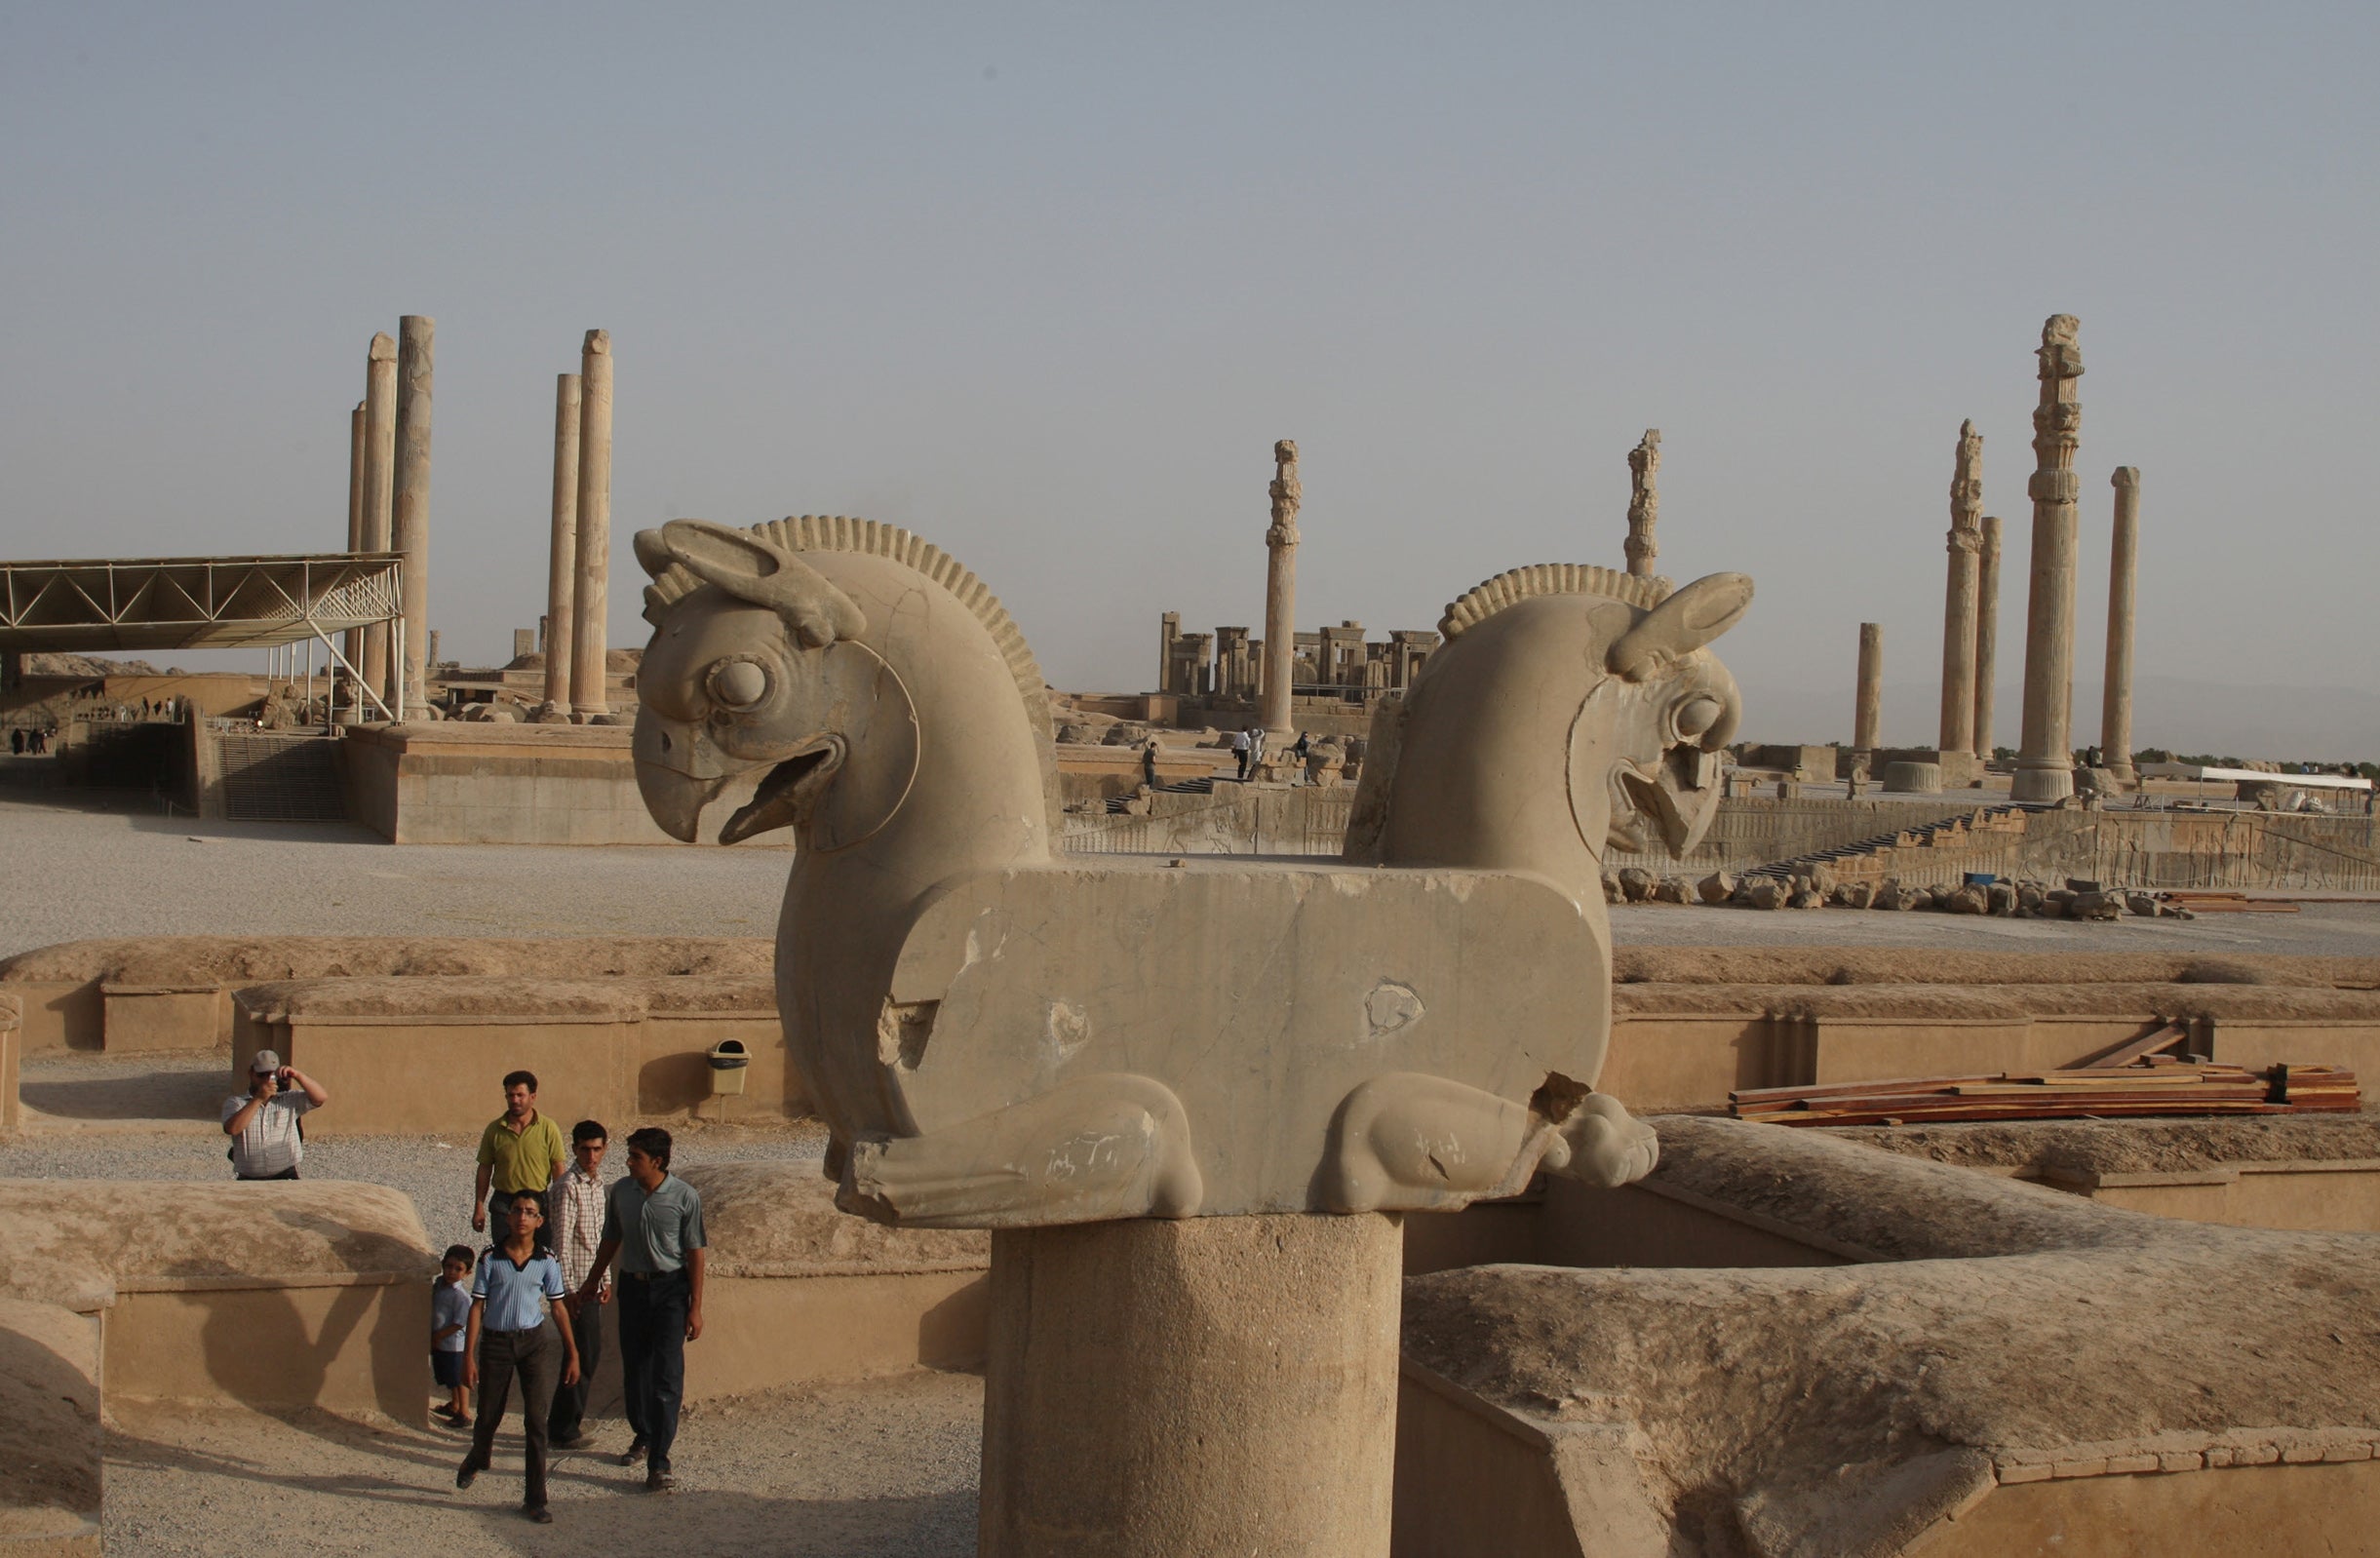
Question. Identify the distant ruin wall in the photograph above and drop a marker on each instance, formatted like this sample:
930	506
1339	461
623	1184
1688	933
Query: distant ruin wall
2155	849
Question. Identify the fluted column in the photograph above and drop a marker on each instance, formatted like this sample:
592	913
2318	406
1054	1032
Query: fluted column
1958	730
588	694
1987	632
351	642
1867	714
411	501
2044	760
379	479
2116	706
561	565
1280	597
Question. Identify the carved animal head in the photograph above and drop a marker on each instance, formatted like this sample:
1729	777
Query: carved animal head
764	668
1681	709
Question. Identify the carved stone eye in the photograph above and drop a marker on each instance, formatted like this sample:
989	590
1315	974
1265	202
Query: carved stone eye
1696	715
738	684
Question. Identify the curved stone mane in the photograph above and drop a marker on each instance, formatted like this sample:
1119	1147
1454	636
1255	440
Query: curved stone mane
1516	585
816	533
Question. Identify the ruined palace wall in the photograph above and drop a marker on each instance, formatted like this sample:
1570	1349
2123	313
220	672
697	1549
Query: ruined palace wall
2151	849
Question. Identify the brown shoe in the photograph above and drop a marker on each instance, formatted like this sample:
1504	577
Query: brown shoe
633	1454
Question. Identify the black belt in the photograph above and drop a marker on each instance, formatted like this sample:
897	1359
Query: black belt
491	1331
651	1276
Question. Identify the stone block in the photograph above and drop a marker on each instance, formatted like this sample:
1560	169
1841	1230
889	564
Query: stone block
1913	778
1716	888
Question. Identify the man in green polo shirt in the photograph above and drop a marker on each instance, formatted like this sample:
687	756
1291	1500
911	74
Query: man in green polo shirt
520	1154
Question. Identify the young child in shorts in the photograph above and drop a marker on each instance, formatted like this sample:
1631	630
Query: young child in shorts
449	1314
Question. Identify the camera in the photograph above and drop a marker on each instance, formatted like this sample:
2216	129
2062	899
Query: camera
282	1084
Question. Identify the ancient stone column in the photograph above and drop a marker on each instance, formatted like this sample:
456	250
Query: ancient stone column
379	477
411	501
1264	1351
351	642
562	567
1644	502
2045	758
1867	714
590	604
2116	706
1958	732
1280	597
1987	632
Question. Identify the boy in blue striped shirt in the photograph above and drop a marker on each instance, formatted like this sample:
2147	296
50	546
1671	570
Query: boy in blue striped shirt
516	1329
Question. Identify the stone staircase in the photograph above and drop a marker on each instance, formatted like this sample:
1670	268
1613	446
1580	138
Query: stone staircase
1948	831
1204	785
282	778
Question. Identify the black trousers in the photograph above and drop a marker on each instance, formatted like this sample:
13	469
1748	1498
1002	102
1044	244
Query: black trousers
569	1413
652	1356
536	1357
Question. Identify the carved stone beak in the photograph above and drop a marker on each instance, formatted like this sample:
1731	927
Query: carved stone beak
1679	797
677	773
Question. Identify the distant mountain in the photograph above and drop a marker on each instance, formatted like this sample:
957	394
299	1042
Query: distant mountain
2289	723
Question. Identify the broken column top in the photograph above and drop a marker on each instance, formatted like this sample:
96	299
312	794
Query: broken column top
383	349
1644	501
1287	494
2126	475
599	340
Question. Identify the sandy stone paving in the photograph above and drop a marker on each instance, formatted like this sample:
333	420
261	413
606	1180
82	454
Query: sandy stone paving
128	874
871	1469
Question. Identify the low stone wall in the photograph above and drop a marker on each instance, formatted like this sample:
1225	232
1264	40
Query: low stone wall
1855	1351
50	1437
12	1055
424	1056
1236	819
175	992
276	1295
2147	849
465	782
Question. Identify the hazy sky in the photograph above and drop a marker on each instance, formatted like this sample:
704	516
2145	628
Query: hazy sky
1045	281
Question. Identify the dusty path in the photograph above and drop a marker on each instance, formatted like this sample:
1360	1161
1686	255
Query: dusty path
875	1469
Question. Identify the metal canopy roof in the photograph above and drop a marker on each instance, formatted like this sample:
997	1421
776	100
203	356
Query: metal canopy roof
193	602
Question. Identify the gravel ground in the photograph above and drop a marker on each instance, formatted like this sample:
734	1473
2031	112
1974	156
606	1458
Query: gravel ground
76	872
871	1470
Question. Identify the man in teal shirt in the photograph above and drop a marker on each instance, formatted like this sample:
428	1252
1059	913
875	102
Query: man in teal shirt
652	1221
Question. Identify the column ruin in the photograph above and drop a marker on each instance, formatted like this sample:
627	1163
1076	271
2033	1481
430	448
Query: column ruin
2116	705
1280	597
351	642
1644	502
1867	714
409	503
592	597
380	476
1958	730
2044	759
1987	633
561	565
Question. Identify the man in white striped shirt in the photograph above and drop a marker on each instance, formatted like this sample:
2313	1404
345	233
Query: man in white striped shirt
578	1197
266	1142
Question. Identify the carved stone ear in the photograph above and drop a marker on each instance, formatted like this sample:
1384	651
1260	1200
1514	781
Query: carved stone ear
870	709
1681	624
652	553
753	569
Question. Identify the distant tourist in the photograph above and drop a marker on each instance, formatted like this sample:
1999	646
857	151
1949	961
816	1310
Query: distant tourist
513	1331
1149	763
577	1232
653	1221
520	1154
1243	749
15	743
450	1318
266	1140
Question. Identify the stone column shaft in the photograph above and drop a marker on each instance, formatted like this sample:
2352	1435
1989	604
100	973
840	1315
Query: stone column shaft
1958	728
2044	760
593	588
1280	598
410	503
351	642
1867	712
1217	1384
1987	632
2116	705
562	567
379	481
1644	502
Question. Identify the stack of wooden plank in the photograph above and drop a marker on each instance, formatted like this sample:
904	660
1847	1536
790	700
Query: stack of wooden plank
2222	903
2152	1085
